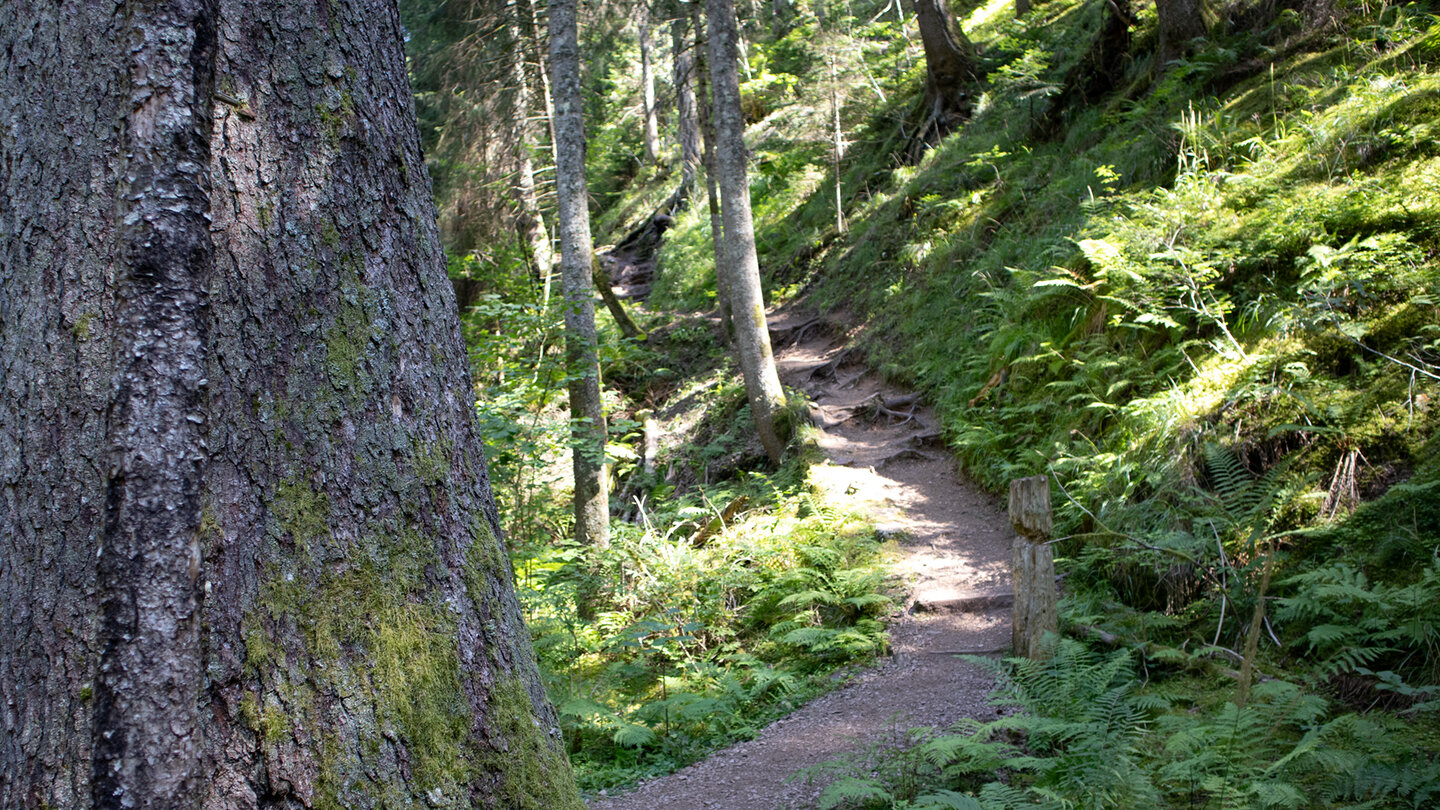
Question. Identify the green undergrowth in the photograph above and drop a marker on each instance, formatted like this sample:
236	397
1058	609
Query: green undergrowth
730	593
1086	729
1206	303
1203	298
702	632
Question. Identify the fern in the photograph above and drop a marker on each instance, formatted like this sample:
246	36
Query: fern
1347	623
853	792
1232	482
633	735
946	800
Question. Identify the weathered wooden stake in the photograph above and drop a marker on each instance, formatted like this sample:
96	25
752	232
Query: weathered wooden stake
1032	565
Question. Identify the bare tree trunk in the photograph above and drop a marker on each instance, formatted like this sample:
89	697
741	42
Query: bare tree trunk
712	190
647	85
248	554
1022	7
949	68
627	325
837	144
1180	23
687	125
532	32
592	501
741	270
532	221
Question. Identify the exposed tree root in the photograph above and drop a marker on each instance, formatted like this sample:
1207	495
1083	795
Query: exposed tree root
788	335
830	367
907	454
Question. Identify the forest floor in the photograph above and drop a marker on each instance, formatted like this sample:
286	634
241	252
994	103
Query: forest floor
952	548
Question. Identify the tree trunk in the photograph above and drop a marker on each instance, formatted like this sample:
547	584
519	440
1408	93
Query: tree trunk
687	125
531	221
592	502
712	190
1180	23
627	325
530	26
949	69
1098	72
1022	7
248	554
741	268
647	86
837	144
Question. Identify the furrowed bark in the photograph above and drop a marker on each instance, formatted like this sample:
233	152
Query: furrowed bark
147	743
248	554
949	69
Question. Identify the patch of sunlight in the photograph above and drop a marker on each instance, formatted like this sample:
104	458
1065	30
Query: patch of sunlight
988	13
1186	403
1421	178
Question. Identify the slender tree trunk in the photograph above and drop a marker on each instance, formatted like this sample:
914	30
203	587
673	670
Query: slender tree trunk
1022	7
949	68
592	509
647	86
248	555
531	221
1180	22
687	125
741	270
532	35
712	190
837	144
627	325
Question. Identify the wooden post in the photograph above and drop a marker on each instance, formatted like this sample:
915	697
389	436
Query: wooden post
1032	565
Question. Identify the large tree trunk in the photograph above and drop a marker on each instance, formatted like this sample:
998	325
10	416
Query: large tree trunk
248	555
949	69
592	502
1180	22
741	268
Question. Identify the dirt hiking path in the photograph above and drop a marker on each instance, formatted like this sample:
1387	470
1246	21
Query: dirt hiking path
885	457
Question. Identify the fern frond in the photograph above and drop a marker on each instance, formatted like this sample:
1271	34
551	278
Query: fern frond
850	791
633	735
946	800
